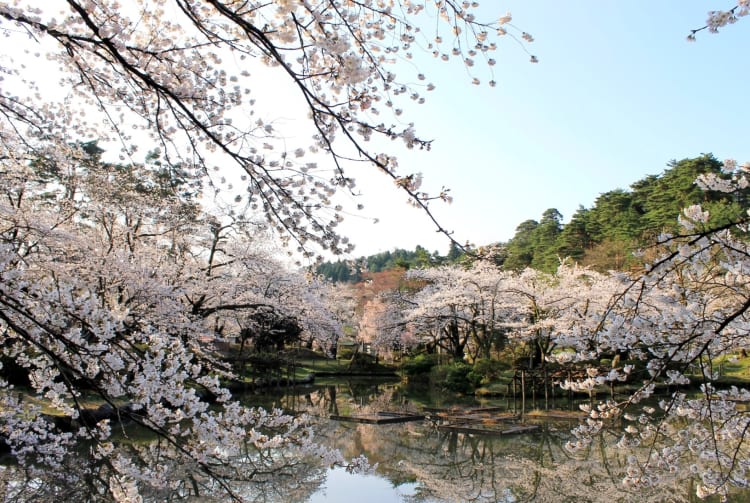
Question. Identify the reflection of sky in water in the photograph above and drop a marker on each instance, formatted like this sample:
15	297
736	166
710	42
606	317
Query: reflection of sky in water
344	487
420	462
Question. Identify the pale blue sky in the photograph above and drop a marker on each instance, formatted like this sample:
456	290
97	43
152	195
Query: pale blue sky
618	92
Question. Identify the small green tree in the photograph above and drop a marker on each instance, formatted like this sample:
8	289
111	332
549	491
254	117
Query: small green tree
520	249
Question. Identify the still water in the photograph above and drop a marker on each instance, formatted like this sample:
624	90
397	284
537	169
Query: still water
430	460
421	461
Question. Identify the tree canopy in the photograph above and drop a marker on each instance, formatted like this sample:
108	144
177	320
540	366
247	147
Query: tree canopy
184	77
623	221
355	270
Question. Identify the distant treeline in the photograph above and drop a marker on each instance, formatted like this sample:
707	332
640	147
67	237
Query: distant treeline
622	221
603	236
353	270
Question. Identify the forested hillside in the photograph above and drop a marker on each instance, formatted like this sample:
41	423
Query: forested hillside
622	221
603	236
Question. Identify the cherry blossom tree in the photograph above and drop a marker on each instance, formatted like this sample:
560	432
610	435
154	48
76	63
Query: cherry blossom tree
470	309
249	285
182	76
383	326
327	310
459	309
114	296
560	312
687	312
718	19
113	280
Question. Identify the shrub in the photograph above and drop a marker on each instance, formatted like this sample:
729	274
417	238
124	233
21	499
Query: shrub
457	378
363	361
486	370
420	364
344	353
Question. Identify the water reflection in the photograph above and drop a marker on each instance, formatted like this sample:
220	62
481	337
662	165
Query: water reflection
279	477
341	485
419	462
416	461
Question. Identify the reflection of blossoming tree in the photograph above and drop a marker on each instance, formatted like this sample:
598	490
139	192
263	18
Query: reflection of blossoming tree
257	473
449	466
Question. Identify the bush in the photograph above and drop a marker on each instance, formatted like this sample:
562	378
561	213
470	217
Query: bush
363	361
420	364
485	371
457	378
344	353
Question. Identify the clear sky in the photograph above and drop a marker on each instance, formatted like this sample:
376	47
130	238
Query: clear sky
617	94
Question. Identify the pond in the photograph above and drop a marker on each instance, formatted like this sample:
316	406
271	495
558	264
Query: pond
456	449
425	461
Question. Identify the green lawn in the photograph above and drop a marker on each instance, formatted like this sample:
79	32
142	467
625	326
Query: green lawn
737	367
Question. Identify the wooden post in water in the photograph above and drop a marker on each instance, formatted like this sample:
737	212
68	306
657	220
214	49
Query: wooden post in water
570	391
552	390
546	395
523	391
